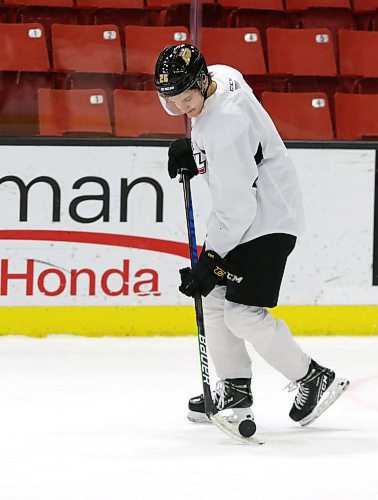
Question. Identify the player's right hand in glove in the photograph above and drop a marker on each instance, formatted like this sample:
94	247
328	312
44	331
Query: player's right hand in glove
209	271
180	157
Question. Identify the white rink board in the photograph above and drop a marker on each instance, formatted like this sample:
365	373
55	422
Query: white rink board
331	265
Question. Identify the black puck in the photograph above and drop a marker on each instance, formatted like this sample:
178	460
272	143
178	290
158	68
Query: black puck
247	428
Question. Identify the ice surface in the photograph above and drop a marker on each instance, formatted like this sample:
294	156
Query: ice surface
105	419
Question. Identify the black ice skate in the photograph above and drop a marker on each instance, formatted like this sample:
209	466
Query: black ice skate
317	390
232	397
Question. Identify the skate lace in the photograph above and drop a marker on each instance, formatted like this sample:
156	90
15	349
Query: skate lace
302	395
220	392
291	386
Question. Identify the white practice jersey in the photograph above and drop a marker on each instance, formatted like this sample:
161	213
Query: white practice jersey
249	200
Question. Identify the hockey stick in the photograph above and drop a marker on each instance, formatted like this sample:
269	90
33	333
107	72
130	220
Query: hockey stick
210	409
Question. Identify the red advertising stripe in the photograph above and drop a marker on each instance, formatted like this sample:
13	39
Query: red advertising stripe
117	240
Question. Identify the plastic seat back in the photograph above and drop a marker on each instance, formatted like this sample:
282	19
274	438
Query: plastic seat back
178	14
88	49
111	4
167	3
331	18
237	47
254	4
356	116
139	113
23	48
40	3
46	14
358	53
300	116
365	5
305	4
301	52
73	111
260	19
144	44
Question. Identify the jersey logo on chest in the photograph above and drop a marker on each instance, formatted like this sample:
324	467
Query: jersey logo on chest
201	162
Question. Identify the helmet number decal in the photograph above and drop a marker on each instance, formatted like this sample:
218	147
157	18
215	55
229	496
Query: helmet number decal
186	54
163	78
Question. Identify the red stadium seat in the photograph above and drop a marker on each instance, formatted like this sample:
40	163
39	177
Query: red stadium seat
88	57
167	3
306	56
178	14
111	4
356	116
73	112
89	49
366	14
305	4
49	3
45	13
257	13
118	12
144	44
253	4
365	5
24	67
331	18
301	52
259	18
139	113
38	11
358	53
23	48
237	47
300	116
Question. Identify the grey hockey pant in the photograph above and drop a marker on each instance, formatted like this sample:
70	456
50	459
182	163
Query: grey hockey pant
228	325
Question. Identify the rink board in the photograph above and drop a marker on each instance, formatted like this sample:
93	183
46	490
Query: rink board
91	239
171	321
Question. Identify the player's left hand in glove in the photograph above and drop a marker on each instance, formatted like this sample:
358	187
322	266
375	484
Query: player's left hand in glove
209	271
180	157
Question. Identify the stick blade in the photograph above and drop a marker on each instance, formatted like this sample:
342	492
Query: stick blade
231	430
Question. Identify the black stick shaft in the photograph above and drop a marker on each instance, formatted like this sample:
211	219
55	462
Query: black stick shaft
204	360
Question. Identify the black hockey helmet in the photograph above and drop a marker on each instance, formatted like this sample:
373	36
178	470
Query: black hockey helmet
179	68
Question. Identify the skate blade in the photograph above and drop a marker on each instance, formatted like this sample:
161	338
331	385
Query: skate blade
198	418
332	394
232	415
231	429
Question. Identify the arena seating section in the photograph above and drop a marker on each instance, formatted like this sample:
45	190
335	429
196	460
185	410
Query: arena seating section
84	67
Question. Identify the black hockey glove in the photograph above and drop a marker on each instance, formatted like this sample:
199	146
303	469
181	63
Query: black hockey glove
209	271
180	157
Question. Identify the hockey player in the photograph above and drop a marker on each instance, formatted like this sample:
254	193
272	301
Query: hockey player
252	228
